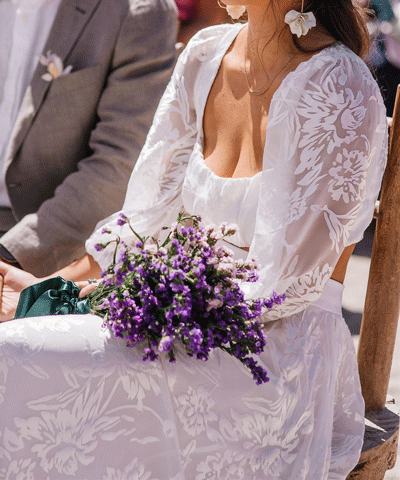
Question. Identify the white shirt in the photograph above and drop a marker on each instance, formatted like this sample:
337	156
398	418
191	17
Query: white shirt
24	28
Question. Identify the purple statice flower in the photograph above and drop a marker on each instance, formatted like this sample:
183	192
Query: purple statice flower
187	289
150	354
166	343
122	220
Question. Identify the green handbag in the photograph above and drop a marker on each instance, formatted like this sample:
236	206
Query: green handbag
55	296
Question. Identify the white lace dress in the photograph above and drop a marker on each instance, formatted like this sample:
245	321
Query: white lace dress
76	403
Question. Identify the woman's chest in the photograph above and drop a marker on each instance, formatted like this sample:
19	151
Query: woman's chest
234	127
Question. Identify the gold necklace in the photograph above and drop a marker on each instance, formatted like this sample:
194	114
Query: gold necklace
257	94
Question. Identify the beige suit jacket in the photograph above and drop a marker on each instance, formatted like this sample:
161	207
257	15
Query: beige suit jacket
77	137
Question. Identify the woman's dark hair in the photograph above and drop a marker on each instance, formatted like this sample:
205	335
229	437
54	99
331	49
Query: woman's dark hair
344	20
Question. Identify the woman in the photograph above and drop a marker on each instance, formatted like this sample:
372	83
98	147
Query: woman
286	137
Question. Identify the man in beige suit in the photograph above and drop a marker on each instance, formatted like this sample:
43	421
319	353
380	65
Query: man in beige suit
77	135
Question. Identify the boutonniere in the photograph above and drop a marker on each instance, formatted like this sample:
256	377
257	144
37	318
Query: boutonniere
55	67
299	22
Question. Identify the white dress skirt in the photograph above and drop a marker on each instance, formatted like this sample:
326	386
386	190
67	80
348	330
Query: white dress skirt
75	402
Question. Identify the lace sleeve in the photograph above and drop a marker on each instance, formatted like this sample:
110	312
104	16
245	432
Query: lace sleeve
153	197
324	158
154	194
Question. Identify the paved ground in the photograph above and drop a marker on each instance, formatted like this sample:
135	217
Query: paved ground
353	302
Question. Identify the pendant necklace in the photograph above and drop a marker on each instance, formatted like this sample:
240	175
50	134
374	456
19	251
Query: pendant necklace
261	92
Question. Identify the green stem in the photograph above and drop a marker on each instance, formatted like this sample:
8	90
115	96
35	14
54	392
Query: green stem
135	233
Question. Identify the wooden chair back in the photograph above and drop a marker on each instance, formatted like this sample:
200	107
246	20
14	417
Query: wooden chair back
379	322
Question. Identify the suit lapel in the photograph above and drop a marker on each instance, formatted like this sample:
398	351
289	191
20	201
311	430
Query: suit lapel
70	20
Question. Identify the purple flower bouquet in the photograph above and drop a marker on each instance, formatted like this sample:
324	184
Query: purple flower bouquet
186	289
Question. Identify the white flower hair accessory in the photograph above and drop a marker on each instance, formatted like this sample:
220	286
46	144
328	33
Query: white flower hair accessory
300	22
54	66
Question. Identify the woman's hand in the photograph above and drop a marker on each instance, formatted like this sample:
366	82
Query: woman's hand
12	282
87	287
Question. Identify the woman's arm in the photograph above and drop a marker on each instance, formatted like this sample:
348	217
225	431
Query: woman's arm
154	194
325	155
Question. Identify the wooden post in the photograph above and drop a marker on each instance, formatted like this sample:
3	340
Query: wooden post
381	311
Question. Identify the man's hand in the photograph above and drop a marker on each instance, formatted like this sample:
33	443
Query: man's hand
12	282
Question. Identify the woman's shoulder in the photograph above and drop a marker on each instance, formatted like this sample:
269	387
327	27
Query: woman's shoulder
333	92
201	57
210	41
333	71
341	66
214	32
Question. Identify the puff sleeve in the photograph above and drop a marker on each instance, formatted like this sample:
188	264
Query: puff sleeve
153	197
324	158
154	194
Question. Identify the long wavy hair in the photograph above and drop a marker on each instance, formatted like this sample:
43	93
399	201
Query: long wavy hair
344	20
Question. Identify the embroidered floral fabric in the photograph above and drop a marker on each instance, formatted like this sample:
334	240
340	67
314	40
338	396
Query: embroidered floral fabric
76	403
